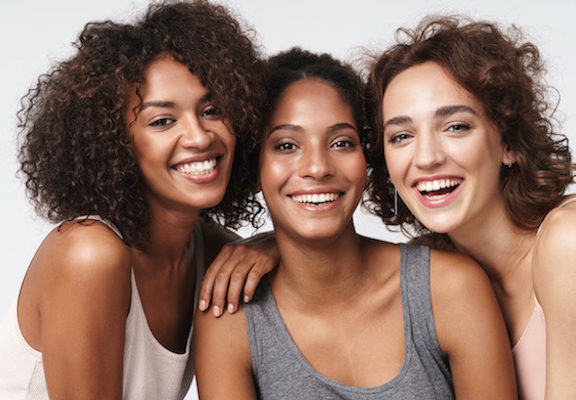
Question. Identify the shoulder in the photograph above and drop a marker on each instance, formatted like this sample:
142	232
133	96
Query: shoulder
454	273
88	252
558	230
554	256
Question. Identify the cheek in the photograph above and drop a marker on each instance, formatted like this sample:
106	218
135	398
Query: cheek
396	164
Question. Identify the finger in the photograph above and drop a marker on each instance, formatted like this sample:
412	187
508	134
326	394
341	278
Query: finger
237	279
252	281
221	284
210	277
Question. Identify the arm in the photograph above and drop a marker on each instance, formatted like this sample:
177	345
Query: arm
470	329
554	274
237	266
83	303
222	357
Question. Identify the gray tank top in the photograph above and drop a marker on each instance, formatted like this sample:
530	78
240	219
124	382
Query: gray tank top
282	373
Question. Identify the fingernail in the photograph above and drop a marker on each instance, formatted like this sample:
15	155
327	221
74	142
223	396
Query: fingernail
246	299
231	308
216	310
203	305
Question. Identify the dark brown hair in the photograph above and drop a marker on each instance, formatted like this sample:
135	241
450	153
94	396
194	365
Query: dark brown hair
505	74
75	152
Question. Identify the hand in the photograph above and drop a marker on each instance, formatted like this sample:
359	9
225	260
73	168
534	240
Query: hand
238	268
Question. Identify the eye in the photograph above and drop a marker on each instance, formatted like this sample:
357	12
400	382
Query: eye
161	122
399	138
210	111
343	143
285	146
458	127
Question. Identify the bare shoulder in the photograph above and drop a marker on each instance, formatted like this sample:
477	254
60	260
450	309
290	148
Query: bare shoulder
558	231
453	274
554	256
88	252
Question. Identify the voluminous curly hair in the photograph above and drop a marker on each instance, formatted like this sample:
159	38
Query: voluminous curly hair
505	74
75	150
295	64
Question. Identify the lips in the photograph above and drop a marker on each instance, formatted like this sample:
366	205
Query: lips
438	188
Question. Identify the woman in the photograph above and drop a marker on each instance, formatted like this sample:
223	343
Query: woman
400	324
463	119
131	143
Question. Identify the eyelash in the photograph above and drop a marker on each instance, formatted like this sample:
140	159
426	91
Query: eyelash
398	138
162	122
343	143
459	127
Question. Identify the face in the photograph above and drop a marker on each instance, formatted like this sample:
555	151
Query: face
183	146
312	169
443	154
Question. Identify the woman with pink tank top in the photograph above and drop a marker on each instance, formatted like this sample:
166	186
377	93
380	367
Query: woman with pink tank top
472	162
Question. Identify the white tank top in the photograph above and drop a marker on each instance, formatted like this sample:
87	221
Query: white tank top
150	370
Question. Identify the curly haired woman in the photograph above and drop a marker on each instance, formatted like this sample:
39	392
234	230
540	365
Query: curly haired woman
130	146
463	118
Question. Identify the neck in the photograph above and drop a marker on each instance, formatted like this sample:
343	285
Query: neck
170	232
497	244
319	273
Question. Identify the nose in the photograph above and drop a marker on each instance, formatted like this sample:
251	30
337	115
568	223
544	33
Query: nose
429	151
195	133
316	163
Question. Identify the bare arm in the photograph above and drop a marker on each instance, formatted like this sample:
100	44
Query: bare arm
470	329
554	271
83	303
222	357
236	269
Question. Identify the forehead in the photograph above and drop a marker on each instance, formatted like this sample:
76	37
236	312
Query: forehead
426	85
313	98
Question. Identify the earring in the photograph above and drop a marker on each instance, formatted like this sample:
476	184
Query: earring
395	202
509	163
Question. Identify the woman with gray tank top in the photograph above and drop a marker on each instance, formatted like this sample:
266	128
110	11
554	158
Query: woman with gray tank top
344	316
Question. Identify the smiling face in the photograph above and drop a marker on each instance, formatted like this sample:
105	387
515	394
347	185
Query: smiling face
443	154
183	146
312	168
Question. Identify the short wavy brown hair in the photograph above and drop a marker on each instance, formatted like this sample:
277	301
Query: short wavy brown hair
505	74
75	153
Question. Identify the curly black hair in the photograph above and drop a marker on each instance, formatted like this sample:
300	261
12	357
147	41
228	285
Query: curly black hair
504	73
75	153
290	66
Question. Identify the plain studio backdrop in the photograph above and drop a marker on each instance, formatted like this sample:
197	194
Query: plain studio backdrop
35	34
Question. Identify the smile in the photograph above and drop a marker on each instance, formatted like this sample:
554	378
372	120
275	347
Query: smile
316	199
437	189
197	168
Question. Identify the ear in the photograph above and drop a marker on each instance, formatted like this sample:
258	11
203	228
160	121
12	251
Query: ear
508	157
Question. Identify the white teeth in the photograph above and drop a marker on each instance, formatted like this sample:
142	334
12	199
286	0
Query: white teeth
431	186
197	168
316	198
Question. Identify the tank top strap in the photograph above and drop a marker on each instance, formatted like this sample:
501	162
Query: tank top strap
417	303
109	224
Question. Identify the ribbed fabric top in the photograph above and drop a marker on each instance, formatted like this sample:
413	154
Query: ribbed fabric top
282	372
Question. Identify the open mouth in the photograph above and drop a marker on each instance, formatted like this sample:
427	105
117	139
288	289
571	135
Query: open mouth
197	168
316	199
438	189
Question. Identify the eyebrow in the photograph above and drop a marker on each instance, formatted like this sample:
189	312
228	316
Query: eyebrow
440	112
298	128
170	104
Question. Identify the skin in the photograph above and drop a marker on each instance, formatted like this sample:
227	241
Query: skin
422	143
330	281
76	294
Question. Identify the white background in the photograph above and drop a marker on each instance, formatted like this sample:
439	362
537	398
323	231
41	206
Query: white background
36	33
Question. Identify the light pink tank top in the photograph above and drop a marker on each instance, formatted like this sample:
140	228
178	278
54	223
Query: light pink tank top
530	357
530	352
